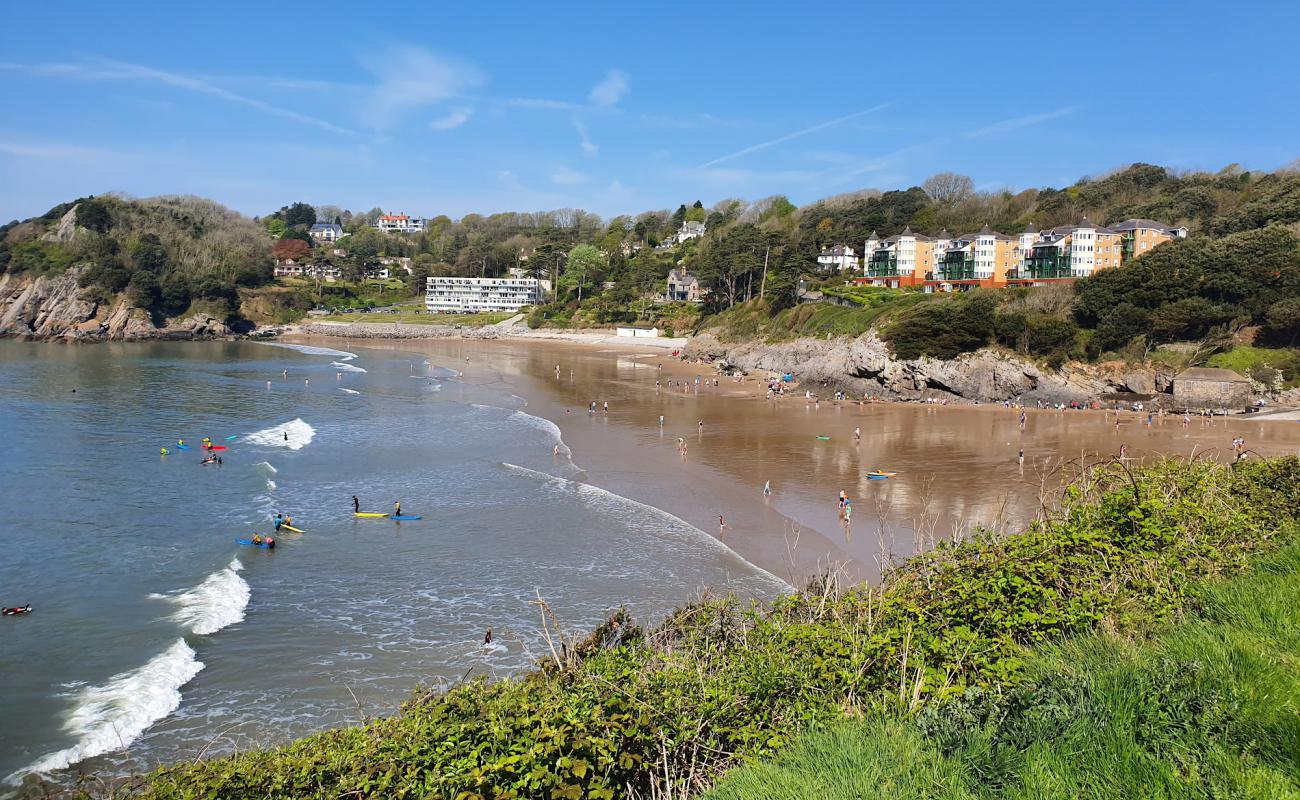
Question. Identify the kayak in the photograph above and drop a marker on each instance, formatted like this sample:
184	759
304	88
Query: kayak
16	610
290	528
368	514
263	544
405	516
880	475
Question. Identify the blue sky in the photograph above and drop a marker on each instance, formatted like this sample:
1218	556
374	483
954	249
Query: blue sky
617	108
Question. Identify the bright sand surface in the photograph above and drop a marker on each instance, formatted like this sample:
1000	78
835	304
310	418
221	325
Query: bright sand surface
956	465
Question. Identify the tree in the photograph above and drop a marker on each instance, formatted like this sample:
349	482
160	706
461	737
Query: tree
948	187
584	264
276	227
93	215
148	254
679	216
299	214
290	248
142	291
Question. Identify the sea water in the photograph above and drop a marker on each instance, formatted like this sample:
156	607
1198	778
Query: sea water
155	637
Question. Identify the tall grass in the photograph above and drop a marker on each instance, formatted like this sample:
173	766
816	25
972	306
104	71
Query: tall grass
1205	707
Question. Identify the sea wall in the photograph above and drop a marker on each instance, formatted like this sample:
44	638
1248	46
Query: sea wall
865	366
55	308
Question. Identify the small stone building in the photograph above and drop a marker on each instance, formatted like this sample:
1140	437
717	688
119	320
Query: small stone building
1201	387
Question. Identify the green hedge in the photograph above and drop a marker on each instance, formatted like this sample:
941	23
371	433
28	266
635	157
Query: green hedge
719	682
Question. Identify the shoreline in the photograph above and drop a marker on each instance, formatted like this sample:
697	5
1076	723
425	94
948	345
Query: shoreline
748	440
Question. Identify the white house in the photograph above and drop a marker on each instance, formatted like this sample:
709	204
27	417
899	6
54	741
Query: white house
326	232
689	230
288	268
474	295
841	258
401	223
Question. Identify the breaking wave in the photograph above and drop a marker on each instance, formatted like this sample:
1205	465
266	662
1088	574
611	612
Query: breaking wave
294	434
215	603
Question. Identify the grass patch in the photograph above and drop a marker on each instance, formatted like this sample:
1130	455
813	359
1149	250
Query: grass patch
631	712
1202	708
1254	362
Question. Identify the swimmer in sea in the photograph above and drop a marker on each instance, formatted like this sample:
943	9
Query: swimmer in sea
487	637
555	451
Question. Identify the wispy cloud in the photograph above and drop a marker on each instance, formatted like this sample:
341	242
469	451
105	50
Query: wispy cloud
1020	122
802	132
58	152
539	103
453	119
567	176
583	138
609	91
409	78
106	70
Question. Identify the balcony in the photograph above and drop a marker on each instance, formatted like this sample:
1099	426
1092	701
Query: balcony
957	269
883	267
1053	266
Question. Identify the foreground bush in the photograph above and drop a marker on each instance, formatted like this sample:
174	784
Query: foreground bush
630	713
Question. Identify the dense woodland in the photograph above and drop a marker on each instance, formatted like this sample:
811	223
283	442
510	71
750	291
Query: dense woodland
1239	268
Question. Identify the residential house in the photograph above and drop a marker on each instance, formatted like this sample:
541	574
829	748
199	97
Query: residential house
401	223
840	258
689	230
683	286
397	264
1070	251
452	295
326	232
323	270
975	259
288	268
902	260
1139	236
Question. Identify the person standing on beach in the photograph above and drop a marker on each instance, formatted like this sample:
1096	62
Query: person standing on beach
857	434
606	406
701	426
661	420
767	488
722	527
1020	459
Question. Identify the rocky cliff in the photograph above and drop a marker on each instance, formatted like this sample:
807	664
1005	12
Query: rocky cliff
865	366
55	308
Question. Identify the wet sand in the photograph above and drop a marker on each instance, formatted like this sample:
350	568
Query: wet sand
956	465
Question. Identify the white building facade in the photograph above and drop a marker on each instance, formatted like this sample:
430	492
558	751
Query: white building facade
840	258
401	223
475	295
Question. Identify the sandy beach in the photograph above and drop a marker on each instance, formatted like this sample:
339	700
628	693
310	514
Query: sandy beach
957	467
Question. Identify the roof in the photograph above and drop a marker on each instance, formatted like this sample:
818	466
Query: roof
873	236
326	226
394	217
681	276
1209	374
1134	224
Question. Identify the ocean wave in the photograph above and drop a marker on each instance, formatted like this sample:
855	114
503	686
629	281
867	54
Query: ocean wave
299	435
109	717
343	366
218	601
271	485
541	424
312	350
348	391
266	465
603	499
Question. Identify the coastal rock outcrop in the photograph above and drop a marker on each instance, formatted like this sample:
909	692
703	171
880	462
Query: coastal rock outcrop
57	309
865	366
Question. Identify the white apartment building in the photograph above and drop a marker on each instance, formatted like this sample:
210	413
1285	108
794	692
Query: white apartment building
473	295
401	223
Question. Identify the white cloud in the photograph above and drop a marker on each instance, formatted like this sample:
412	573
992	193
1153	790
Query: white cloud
802	132
584	140
119	70
453	119
409	78
540	103
566	176
609	91
1020	122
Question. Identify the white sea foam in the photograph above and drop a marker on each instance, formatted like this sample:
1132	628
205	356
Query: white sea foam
110	717
312	350
266	465
348	391
343	366
218	601
603	499
300	435
271	485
